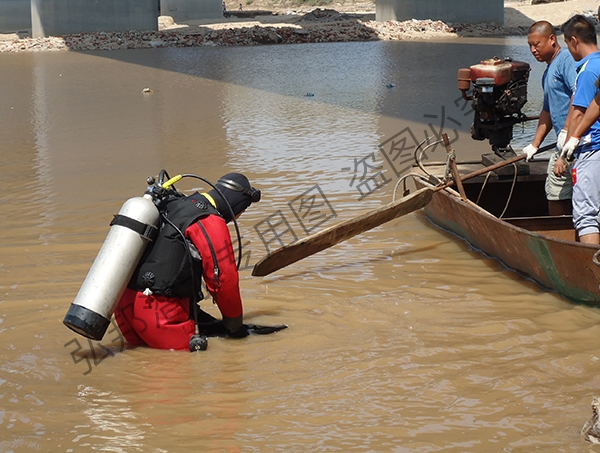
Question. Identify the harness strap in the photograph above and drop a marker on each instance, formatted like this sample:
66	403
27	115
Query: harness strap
148	232
216	270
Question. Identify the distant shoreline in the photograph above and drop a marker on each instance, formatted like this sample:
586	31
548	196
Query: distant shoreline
351	23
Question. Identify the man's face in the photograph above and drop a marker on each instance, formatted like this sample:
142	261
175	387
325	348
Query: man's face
542	47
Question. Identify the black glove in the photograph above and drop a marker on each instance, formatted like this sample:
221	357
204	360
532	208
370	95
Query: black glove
240	332
264	330
212	327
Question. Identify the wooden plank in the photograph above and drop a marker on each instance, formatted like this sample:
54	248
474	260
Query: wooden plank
337	233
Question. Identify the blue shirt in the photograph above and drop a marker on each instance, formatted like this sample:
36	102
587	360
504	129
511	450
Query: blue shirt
588	70
558	83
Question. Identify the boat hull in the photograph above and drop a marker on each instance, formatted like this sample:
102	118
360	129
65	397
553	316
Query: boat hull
564	266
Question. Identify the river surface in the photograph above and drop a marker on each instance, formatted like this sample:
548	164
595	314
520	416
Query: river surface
402	339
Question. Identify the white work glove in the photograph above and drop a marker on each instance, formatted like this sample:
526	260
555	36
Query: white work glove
530	150
569	148
560	141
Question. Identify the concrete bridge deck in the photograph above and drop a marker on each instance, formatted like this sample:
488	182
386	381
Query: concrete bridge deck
61	17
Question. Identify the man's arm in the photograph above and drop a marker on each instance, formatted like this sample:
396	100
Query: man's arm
211	237
590	116
575	119
568	119
543	128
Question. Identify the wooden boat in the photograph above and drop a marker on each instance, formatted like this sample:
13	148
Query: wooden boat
506	217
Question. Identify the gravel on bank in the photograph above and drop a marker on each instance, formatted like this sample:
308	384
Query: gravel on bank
350	31
304	31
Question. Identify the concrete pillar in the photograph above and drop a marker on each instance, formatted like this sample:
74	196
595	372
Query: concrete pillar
15	15
467	11
63	17
191	10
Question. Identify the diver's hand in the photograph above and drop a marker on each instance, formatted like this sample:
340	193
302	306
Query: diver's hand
240	332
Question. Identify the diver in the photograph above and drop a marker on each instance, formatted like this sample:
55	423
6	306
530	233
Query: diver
159	307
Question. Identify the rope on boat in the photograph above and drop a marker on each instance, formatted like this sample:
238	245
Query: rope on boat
487	177
511	192
483	187
595	258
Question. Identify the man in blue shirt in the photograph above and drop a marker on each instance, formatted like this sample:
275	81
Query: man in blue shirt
558	82
580	36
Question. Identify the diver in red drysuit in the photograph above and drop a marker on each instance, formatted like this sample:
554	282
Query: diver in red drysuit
164	322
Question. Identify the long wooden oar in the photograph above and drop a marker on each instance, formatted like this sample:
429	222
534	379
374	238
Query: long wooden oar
335	234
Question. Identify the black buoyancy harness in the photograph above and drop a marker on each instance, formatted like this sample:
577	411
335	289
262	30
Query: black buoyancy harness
164	268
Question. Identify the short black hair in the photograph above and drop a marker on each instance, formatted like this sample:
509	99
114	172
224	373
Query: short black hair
542	27
581	28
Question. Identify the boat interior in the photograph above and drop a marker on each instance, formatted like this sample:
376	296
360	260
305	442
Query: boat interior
519	200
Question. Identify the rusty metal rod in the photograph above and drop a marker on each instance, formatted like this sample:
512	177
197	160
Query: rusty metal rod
494	167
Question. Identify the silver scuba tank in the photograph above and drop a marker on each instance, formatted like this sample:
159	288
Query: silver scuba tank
131	231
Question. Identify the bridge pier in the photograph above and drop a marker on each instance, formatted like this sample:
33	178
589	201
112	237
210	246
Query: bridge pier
15	15
468	11
63	17
191	10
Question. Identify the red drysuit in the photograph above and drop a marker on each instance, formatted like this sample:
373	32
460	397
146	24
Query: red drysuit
164	322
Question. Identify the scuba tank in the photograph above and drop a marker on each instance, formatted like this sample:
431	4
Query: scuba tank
131	230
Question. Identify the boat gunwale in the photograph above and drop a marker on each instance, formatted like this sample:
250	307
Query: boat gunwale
455	196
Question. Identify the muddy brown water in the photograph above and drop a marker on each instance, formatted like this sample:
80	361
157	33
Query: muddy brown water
402	339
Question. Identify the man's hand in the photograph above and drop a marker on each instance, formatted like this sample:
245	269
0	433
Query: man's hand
560	167
569	148
560	141
530	150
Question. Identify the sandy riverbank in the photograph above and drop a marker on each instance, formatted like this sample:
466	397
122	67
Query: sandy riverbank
340	22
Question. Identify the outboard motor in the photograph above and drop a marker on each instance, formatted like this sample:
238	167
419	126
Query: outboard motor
131	230
499	93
